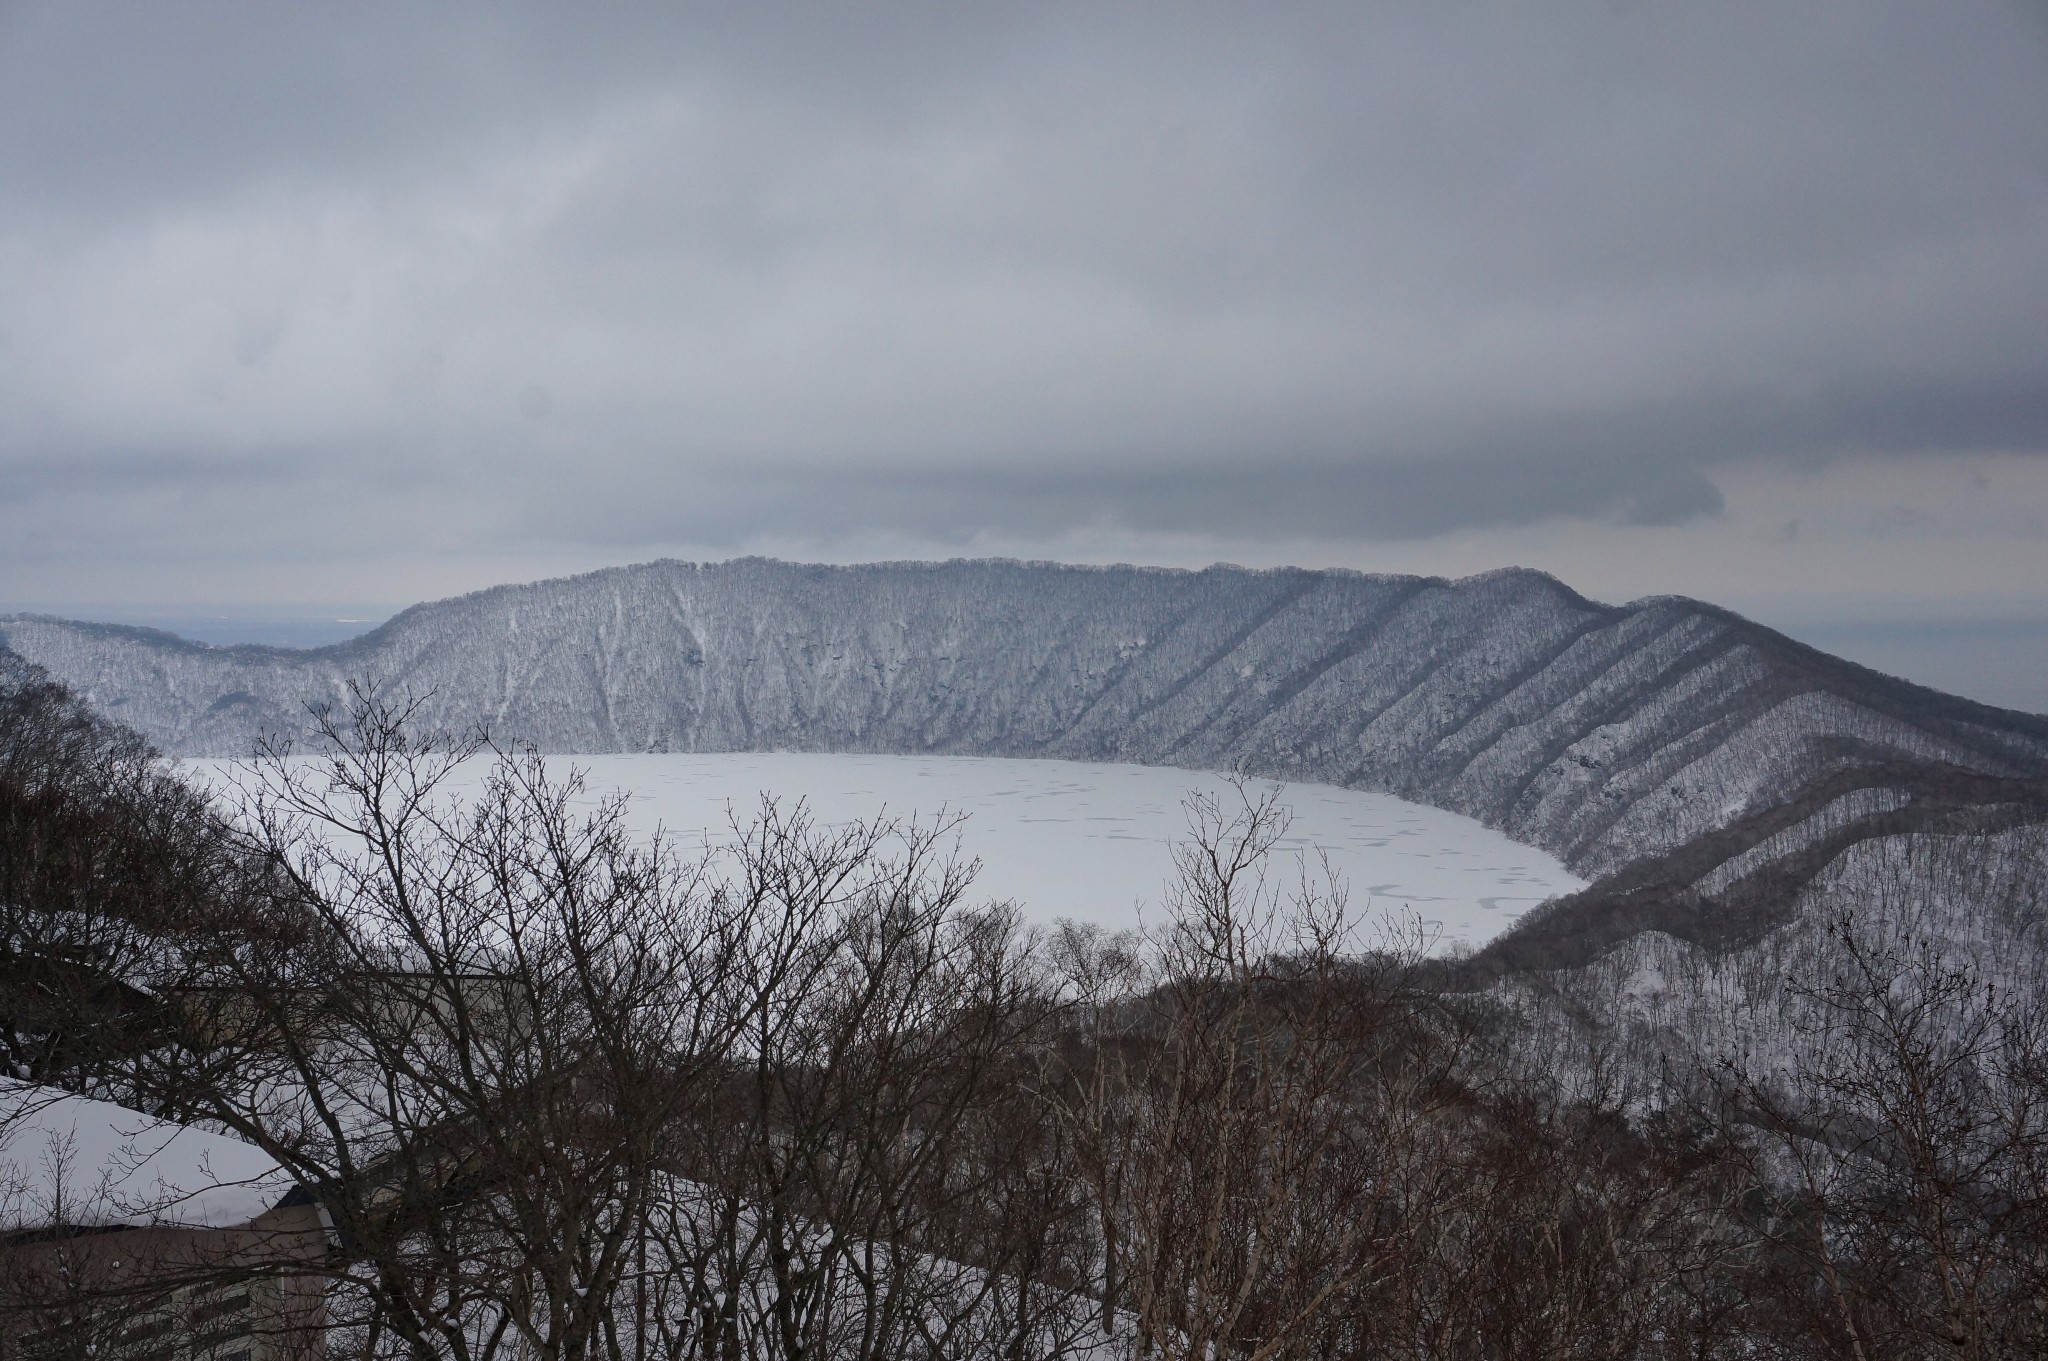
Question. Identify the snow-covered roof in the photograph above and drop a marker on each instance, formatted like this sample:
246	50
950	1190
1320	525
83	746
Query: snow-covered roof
72	1161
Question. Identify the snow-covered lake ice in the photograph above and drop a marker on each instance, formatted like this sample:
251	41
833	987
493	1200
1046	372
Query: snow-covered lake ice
1092	842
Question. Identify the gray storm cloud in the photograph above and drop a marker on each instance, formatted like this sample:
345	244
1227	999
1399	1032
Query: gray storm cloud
498	275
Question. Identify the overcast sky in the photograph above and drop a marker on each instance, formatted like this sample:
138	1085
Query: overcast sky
312	303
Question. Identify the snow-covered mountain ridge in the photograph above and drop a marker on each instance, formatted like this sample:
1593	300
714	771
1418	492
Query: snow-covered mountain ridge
1661	738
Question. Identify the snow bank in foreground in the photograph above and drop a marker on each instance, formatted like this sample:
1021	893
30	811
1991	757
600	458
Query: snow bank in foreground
75	1161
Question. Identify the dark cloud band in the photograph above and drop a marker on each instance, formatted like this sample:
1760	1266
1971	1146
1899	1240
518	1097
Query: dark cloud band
494	274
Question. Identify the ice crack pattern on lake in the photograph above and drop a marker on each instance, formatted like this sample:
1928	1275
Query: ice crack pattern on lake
1085	841
1092	842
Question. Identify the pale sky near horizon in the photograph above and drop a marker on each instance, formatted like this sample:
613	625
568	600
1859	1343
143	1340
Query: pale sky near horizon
375	303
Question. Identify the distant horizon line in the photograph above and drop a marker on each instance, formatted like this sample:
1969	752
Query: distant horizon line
1854	611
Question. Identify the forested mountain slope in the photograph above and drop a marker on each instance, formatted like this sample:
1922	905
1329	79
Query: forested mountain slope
1667	739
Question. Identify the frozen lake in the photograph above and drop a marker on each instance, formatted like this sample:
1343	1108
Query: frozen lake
1091	842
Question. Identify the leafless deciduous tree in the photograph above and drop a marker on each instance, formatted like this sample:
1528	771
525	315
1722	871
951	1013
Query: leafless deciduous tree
563	1094
468	1026
878	1181
1250	1099
1899	1145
